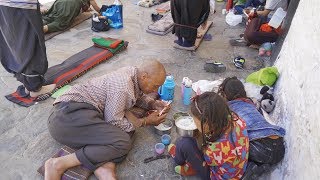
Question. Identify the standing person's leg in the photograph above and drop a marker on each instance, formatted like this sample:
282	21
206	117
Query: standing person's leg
186	151
253	35
176	16
80	125
23	52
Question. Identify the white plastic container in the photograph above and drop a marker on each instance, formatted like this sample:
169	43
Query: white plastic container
277	18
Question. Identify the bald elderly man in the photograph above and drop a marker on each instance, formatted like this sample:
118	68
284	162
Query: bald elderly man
95	118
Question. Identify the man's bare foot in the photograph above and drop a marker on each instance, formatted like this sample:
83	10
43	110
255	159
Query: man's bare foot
52	170
106	171
43	90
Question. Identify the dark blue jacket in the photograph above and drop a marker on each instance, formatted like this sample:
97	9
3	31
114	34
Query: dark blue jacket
257	125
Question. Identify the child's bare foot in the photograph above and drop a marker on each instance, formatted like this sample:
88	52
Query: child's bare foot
43	90
106	171
52	170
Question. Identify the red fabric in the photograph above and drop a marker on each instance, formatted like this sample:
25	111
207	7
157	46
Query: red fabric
267	28
229	5
115	44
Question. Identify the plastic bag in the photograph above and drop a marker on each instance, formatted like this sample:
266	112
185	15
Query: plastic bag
114	14
233	19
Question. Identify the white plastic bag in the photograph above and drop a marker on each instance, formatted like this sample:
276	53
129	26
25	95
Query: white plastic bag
212	6
233	19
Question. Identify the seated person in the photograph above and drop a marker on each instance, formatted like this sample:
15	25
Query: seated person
187	17
253	33
95	118
62	13
266	140
224	153
243	4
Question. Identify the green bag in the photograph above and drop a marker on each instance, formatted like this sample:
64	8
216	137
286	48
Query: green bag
265	76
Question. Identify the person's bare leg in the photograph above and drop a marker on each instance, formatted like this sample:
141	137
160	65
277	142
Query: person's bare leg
43	90
55	167
106	172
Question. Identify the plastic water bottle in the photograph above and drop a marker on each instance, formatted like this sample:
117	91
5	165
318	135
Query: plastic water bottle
118	22
187	91
166	91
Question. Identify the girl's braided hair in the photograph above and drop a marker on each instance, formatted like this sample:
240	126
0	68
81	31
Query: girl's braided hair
232	88
212	110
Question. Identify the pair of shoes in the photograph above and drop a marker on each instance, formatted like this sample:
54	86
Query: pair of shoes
214	67
239	62
238	42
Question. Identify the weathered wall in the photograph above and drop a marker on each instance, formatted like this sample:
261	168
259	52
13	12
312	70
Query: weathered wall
298	96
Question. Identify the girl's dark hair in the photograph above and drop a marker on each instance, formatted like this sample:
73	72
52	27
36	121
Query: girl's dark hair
232	88
213	110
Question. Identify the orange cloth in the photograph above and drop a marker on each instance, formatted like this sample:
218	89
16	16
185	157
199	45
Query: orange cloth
267	28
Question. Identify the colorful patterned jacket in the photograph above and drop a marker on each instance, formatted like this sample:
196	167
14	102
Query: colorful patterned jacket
228	156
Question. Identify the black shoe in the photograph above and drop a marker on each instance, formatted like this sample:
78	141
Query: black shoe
178	41
214	67
187	43
238	42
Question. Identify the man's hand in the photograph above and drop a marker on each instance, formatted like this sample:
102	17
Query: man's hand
161	106
154	119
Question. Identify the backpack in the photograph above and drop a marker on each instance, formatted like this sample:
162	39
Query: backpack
99	24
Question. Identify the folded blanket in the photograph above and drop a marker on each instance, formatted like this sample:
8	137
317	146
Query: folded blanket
107	42
113	45
163	24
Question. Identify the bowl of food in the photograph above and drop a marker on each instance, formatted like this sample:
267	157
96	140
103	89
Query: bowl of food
185	125
164	128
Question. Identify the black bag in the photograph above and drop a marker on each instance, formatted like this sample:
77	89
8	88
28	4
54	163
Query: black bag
103	25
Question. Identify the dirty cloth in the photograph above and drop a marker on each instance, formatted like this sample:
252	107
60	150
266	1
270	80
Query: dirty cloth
61	14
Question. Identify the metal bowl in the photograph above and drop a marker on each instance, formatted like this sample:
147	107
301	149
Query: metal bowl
164	128
180	130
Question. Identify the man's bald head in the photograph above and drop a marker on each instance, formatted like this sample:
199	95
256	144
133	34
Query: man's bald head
151	75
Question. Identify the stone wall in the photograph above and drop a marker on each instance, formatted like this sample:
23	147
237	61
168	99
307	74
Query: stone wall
298	96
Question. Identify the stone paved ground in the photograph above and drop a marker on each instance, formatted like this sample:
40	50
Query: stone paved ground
24	138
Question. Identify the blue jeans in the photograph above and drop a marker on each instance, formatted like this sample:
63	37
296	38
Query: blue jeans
253	3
